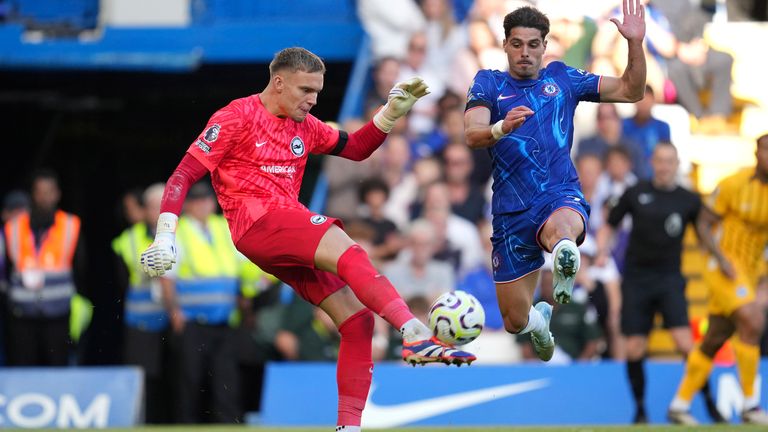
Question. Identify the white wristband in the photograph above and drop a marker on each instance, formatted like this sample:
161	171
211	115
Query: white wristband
382	120
166	223
496	130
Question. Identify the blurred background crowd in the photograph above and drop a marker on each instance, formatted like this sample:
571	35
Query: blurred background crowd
419	206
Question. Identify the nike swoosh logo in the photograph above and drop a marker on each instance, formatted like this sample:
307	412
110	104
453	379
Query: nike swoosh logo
387	416
502	97
260	144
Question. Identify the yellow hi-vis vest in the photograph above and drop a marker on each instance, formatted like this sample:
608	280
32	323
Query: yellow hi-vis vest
143	311
208	270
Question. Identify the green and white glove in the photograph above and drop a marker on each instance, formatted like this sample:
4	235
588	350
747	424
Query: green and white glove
161	254
401	98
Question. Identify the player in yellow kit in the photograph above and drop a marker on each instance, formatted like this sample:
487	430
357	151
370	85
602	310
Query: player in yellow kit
739	210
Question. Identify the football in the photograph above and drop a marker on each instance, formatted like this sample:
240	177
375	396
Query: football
456	318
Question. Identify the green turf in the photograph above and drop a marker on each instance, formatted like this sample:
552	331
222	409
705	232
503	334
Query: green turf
660	428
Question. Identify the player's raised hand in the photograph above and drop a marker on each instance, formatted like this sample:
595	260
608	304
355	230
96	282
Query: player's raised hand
401	98
161	254
633	26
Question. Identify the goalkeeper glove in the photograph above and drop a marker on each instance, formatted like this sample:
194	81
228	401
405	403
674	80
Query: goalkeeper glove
401	98
161	254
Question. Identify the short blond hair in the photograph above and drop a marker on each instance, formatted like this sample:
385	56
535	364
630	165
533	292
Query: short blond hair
296	59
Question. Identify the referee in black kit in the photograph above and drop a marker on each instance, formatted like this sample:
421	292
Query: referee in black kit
652	281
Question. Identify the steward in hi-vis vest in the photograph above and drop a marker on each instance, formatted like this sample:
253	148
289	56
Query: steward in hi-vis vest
43	254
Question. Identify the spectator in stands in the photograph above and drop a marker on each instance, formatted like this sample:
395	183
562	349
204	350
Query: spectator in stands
132	207
645	130
747	10
610	53
450	128
615	179
344	177
46	266
200	297
390	25
386	241
653	283
492	12
695	67
306	333
422	115
462	246
15	203
610	134
145	340
385	74
396	158
416	273
573	31
445	36
482	52
467	199
426	171
590	167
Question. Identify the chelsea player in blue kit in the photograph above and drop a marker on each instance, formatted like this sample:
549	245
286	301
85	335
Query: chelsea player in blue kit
524	118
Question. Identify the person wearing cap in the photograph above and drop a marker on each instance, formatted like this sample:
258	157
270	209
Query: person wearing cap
45	259
200	296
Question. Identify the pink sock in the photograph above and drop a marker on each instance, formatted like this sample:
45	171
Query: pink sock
355	366
371	288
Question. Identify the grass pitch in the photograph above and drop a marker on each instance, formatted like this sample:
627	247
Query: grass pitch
648	428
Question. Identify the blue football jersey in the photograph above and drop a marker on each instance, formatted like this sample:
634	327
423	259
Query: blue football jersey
535	159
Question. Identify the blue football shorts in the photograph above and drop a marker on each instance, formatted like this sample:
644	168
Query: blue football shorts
516	247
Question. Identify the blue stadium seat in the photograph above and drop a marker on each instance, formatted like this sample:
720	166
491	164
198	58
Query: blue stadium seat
208	11
78	13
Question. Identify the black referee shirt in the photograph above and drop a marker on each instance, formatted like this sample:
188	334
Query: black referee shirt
659	218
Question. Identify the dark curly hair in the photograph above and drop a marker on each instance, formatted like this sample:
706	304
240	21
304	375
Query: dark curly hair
526	17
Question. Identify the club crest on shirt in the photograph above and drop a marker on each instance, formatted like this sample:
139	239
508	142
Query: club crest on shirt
212	133
550	89
674	225
297	146
318	219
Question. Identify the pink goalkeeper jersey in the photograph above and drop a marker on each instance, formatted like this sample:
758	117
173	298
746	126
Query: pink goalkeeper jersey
257	160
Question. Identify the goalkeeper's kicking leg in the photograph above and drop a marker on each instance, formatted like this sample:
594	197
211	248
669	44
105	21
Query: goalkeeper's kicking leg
338	254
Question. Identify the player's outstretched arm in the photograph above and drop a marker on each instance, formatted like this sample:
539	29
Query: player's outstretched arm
630	87
161	254
401	98
480	133
362	143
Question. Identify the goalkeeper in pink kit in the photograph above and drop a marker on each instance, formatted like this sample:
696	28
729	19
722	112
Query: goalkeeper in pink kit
256	150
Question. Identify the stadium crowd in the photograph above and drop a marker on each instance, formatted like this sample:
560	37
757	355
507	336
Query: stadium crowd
419	206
